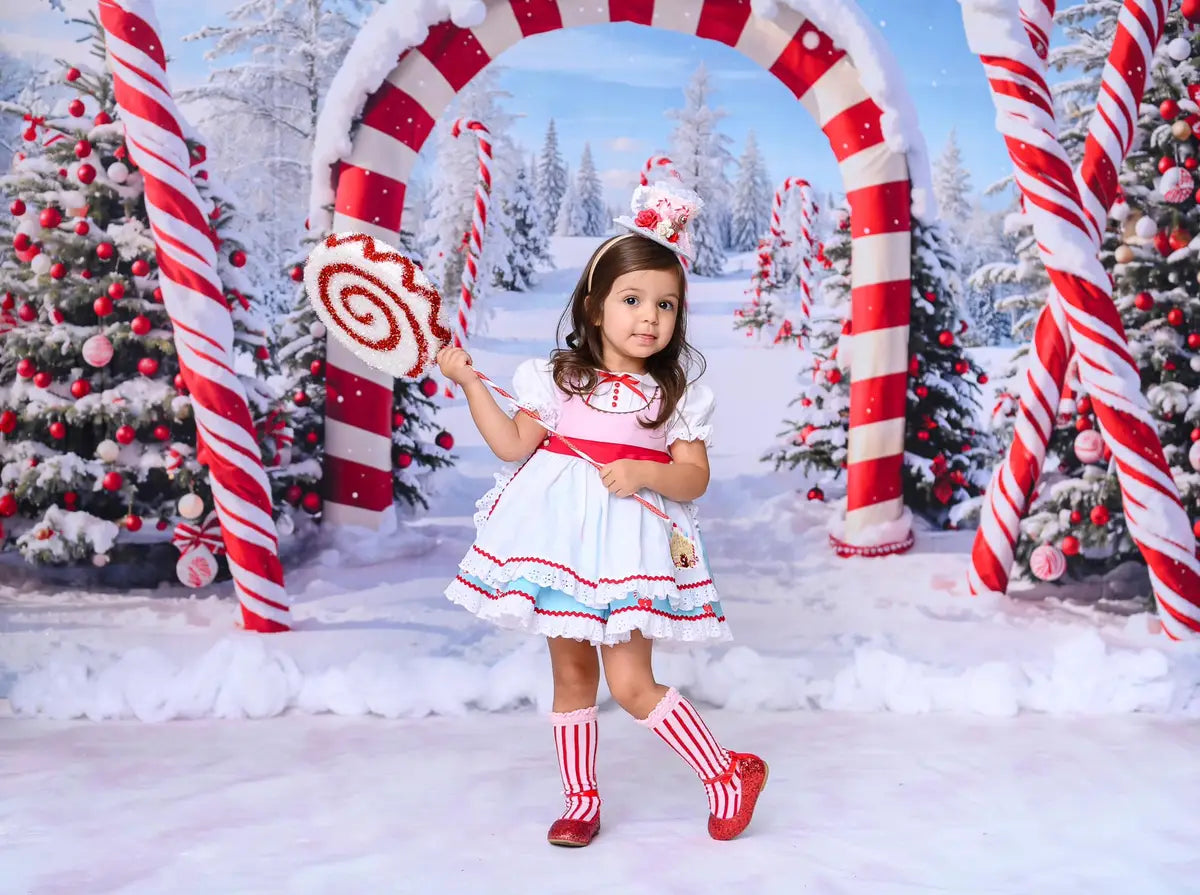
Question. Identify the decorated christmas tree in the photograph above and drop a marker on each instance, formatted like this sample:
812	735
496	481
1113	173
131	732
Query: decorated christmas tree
98	457
1077	527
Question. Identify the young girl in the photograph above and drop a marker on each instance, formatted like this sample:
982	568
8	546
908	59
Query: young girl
563	551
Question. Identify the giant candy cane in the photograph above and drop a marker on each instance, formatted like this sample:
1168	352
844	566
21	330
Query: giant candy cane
201	320
807	210
474	239
1081	298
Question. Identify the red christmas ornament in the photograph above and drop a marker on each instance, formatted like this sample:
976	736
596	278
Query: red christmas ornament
292	494
833	376
444	440
922	391
297	273
161	432
81	388
931	297
82	229
105	251
58	270
180	386
112	481
26	368
140	268
1191	11
398	420
1168	109
983	378
262	352
1082	423
816	494
806	402
1179	239
27	312
1162	243
76	108
50	217
404	460
102	118
1143	301
1084	405
1196	528
148	366
312	502
8	302
1190	163
1193	341
158	296
1076	517
132	522
103	306
58	431
958	477
428	387
30	134
1175	317
945	338
1069	546
8	506
1099	515
72	74
140	325
1165	164
83	149
300	399
85	173
22	242
923	435
17	207
238	258
317	368
8	422
125	434
961	367
42	379
116	291
70	498
62	172
312	437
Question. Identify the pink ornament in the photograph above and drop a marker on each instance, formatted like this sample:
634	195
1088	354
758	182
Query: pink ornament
1176	185
1089	446
1047	562
197	567
98	350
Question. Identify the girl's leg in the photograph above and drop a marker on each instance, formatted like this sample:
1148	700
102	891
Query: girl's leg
576	679
731	780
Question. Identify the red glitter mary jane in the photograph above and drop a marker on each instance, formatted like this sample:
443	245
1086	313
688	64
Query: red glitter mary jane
753	773
573	833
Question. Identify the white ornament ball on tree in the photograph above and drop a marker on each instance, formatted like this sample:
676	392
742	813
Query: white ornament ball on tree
107	451
1047	562
98	350
191	506
1089	446
317	330
1194	456
40	264
1179	49
100	560
1145	227
1119	211
118	172
1123	254
197	567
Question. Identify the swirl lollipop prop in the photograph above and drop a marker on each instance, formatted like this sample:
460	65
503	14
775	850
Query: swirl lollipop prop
383	308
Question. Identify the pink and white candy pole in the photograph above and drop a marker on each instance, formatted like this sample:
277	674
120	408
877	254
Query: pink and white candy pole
657	161
1083	300
226	439
483	195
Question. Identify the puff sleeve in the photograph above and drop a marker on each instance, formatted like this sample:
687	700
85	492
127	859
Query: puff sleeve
692	420
534	388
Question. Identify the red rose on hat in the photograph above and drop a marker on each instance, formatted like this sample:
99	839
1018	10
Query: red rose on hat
647	218
674	237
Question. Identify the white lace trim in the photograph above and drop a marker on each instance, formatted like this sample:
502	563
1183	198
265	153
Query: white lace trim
569	719
681	431
547	411
516	612
665	706
483	506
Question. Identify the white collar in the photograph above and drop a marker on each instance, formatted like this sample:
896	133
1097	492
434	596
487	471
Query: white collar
641	378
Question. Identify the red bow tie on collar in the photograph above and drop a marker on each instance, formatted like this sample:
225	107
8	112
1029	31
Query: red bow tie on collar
624	379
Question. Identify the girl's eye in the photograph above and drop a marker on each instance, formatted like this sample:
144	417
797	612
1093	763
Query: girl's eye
630	299
666	305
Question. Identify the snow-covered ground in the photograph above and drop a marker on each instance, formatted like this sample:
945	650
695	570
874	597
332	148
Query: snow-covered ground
920	739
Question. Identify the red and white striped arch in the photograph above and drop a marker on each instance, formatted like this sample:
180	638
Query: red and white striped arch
400	114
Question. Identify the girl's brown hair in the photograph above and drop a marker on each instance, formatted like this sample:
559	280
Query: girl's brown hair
575	366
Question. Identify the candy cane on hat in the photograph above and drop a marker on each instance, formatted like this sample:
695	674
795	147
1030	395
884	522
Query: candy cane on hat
201	320
483	194
657	161
1153	511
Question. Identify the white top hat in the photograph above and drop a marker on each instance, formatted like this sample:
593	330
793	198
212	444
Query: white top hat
661	212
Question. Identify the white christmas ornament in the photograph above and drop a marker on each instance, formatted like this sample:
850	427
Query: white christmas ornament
97	350
107	451
1194	456
1179	49
1047	562
197	567
100	560
317	330
1119	211
1176	185
1089	446
40	264
118	172
191	506
1145	227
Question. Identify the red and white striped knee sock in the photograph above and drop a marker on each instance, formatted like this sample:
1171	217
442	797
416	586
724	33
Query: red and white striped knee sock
575	736
681	727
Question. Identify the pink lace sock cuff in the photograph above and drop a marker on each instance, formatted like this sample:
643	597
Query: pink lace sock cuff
665	706
579	716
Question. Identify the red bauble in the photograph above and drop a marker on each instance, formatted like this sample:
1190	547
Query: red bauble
983	378
262	352
140	325
8	506
83	149
1084	405
125	434
102	118
1175	317
116	291
312	437
58	270
958	477
102	306
317	368
120	152
931	297
923	435
8	422
806	402
312	502
1099	515
961	367
70	498
398	420
816	494
56	316
1165	164
158	294
238	258
27	312
1168	109
297	273
922	392
72	74
1179	239
300	399
105	251
42	379
58	431
1162	243
112	481
833	376
1193	341
161	432
148	366
50	217
17	207
7	302
26	368
1169	366
292	494
81	388
22	242
1082	423
82	229
1076	517
76	108
444	440
428	387
404	460
1191	11
945	338
132	522
1196	528
1069	545
179	383
1143	301
140	268
85	173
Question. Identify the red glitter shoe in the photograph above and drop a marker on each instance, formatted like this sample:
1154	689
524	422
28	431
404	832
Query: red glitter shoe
753	773
573	833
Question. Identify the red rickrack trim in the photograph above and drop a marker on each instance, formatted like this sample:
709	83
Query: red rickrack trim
841	548
582	580
670	615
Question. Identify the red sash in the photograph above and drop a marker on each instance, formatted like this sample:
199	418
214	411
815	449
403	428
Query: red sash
604	451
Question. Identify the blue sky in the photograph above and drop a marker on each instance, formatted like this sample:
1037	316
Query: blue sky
609	85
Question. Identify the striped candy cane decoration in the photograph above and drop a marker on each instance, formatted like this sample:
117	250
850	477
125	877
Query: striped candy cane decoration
1066	240
776	242
657	161
202	323
483	194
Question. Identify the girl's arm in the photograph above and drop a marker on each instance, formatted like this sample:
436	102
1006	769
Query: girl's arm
683	480
511	439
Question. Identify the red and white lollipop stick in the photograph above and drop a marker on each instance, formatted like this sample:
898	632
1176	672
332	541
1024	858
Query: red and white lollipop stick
657	161
474	247
192	294
1154	514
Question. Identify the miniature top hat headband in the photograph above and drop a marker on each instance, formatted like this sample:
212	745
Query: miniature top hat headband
661	212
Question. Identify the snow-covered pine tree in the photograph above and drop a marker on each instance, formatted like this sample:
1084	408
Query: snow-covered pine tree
569	212
752	195
97	437
701	154
529	243
551	181
590	219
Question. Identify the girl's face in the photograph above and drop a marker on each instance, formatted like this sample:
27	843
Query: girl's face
638	317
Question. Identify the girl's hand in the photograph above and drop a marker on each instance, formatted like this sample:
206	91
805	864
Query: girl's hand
623	477
455	365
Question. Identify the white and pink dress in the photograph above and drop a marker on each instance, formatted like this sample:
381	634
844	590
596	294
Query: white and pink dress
557	554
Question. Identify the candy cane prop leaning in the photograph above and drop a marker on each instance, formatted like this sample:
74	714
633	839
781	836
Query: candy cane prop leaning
1025	117
657	161
807	210
483	194
201	320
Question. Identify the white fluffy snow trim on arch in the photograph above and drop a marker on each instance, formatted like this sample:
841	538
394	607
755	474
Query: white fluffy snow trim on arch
399	25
